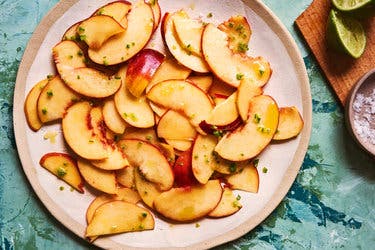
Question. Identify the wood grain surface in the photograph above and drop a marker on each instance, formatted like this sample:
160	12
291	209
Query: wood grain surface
341	70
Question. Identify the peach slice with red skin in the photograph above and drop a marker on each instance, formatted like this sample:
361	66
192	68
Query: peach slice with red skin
189	203
118	217
97	29
259	129
182	170
228	66
125	45
79	135
141	69
64	167
30	106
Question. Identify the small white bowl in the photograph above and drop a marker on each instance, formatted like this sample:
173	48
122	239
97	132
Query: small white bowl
364	86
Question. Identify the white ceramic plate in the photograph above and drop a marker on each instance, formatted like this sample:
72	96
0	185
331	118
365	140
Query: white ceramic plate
288	85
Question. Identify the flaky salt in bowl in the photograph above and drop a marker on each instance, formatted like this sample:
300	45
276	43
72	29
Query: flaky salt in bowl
360	112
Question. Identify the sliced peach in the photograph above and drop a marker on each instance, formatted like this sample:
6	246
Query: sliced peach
151	162
91	82
228	205
116	159
119	217
79	136
189	34
173	125
123	46
158	110
123	194
259	129
99	179
168	152
144	134
183	56
238	30
182	96
290	123
135	111
202	81
224	113
182	170
141	69
156	11
180	145
64	167
146	189
169	69
246	91
227	66
54	99
247	179
97	29
187	204
220	89
71	33
125	177
202	157
68	56
117	10
30	106
112	118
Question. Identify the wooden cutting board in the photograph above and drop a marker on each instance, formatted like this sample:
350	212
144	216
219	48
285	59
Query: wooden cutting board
341	70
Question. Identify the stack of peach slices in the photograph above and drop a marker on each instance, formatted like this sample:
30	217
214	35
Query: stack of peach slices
158	135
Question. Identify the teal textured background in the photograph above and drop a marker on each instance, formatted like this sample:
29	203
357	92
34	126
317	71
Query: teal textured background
330	205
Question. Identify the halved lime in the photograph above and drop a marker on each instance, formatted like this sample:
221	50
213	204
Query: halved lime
346	34
360	9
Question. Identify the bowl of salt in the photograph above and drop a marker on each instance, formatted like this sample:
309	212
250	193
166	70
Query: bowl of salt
360	112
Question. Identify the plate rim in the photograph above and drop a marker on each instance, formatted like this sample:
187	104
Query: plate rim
58	213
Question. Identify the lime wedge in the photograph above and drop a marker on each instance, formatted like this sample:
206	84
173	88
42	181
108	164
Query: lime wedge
350	5
358	8
345	34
